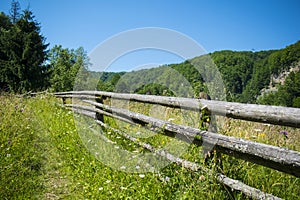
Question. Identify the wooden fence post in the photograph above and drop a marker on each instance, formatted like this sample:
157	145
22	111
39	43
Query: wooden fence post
99	116
64	99
208	123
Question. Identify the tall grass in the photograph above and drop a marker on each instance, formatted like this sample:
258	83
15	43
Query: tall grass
44	157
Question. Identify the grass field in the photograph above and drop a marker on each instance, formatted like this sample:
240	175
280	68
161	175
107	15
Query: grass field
43	157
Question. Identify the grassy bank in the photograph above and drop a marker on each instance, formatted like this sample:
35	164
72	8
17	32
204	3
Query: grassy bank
43	157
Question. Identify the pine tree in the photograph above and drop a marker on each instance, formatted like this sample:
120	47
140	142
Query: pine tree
22	53
5	26
15	11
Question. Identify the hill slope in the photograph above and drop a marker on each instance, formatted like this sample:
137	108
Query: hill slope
245	75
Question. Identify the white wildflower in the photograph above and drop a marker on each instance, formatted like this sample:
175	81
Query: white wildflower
123	167
142	175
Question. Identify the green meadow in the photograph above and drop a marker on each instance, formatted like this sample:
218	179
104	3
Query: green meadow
42	156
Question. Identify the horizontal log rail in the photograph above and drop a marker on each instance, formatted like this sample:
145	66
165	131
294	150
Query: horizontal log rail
276	115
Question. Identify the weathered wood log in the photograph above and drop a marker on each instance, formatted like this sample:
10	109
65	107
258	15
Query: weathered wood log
281	159
234	184
99	116
64	100
77	96
277	115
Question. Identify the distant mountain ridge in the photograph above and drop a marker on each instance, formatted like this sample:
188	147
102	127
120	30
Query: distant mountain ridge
246	75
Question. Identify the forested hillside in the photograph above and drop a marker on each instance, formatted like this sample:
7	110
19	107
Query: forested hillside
245	75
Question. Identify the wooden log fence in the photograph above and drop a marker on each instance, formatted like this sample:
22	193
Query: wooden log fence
276	115
277	158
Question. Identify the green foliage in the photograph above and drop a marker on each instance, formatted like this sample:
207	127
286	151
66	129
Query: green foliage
176	79
23	58
22	53
284	58
68	69
236	68
245	74
108	81
15	11
274	64
287	94
155	89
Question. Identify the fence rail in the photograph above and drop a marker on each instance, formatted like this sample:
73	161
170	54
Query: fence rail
280	159
276	115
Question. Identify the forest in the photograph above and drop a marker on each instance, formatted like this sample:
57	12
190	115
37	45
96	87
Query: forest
27	64
249	77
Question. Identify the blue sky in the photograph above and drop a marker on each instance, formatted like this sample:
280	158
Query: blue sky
216	25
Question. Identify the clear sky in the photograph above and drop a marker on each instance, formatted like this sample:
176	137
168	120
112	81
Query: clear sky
216	25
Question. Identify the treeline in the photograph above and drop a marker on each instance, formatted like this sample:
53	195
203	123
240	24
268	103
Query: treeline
287	94
244	74
26	63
